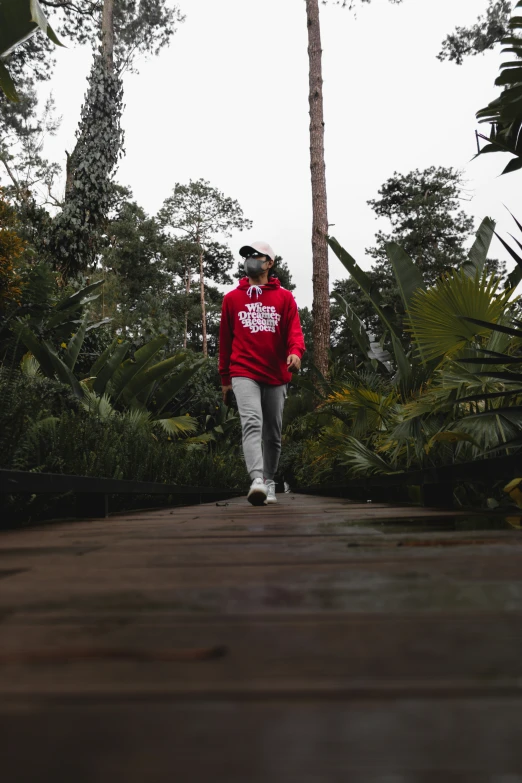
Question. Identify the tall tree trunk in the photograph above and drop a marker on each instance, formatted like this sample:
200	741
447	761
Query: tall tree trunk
203	307
107	31
187	303
321	302
108	34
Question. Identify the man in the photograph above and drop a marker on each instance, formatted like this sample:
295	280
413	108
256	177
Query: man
260	344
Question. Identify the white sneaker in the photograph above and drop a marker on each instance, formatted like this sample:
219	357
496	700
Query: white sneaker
258	492
271	496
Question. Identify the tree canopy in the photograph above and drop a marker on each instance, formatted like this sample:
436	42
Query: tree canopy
426	219
200	214
141	27
481	36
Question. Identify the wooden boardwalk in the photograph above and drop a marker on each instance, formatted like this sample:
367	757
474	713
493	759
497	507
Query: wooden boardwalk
316	640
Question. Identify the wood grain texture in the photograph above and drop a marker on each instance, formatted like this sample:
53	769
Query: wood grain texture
317	640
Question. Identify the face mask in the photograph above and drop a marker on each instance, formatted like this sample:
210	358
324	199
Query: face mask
254	266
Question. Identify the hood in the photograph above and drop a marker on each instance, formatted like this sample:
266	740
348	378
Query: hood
272	284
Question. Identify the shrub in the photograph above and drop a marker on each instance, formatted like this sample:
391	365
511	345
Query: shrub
45	429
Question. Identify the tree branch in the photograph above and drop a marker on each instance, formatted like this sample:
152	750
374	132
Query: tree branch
62	4
483	35
12	177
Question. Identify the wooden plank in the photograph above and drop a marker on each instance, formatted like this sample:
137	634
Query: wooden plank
315	655
465	582
455	740
363	642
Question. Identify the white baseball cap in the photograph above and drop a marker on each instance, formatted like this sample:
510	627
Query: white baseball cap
258	247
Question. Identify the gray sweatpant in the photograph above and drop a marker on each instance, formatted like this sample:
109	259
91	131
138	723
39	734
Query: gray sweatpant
261	410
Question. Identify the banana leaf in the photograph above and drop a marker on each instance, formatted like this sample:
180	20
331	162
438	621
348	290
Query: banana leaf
409	281
403	363
105	373
7	85
404	366
97	324
79	297
371	350
478	254
75	344
100	361
407	273
171	386
32	343
65	375
365	284
131	367
138	385
19	20
61	317
50	363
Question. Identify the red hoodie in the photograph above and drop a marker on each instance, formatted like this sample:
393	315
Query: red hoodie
259	329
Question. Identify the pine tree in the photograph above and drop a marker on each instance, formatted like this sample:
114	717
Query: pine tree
199	213
426	219
320	276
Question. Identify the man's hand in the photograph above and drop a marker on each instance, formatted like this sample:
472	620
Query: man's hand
293	363
226	391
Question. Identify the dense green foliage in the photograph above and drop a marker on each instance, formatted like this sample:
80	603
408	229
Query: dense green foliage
45	428
423	209
74	399
109	316
452	395
505	113
74	237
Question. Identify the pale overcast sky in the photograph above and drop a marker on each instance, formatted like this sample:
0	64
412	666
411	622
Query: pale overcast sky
229	102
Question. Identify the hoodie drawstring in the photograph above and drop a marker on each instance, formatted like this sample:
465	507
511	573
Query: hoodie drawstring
255	288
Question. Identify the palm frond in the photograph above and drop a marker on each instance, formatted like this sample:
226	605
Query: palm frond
366	409
100	406
30	366
137	419
441	318
178	426
361	460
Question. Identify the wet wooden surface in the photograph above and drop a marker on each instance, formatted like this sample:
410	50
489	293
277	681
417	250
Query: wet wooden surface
315	640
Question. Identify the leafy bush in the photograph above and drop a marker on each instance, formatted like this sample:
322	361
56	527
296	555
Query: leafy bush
44	428
448	395
23	403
